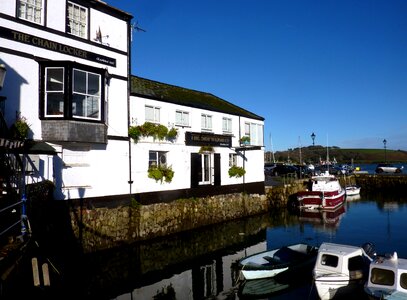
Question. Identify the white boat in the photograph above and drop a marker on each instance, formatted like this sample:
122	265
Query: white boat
352	190
271	263
324	192
341	269
353	197
387	278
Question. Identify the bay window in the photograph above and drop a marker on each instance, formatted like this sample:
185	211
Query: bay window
72	91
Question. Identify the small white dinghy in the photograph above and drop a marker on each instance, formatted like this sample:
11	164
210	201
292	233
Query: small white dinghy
352	190
270	263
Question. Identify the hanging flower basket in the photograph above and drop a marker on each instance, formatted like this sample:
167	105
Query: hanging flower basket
157	131
161	173
235	171
206	149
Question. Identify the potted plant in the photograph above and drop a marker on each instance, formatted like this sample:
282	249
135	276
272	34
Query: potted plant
235	171
161	173
245	140
20	128
172	134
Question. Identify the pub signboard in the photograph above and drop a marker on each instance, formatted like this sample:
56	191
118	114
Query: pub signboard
207	139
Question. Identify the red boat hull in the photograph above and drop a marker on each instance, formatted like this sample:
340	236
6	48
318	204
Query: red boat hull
321	200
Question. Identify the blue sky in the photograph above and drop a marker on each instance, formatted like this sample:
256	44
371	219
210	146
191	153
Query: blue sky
337	68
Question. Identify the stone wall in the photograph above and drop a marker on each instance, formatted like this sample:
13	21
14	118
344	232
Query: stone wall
102	228
382	183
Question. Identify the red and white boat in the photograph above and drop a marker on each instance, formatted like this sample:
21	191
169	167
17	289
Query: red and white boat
324	192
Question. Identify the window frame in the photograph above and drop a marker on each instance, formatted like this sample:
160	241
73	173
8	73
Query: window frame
233	159
49	92
228	128
382	276
206	166
206	122
157	159
68	94
183	113
255	132
86	94
19	5
69	21
156	111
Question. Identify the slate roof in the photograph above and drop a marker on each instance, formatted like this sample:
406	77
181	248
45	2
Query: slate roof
178	95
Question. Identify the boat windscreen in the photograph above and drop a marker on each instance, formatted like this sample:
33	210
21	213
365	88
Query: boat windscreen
382	276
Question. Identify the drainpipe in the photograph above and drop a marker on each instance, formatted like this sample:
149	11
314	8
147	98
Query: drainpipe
130	182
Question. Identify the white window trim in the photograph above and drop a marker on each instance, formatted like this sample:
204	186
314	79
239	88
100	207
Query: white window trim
205	126
158	160
50	92
186	113
202	180
232	159
37	6
78	22
228	128
88	95
156	119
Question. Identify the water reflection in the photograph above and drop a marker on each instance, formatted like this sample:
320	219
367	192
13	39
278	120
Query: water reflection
323	220
200	264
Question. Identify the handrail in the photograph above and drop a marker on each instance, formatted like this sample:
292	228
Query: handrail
10	206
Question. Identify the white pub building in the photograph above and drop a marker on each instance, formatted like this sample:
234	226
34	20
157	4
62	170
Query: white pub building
99	133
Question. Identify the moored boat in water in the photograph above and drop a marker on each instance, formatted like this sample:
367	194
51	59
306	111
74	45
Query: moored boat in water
352	190
268	264
324	192
341	269
387	278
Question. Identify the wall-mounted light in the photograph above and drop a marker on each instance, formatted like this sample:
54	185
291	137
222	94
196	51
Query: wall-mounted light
3	71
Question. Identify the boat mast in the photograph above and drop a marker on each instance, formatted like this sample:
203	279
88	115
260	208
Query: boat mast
271	146
327	153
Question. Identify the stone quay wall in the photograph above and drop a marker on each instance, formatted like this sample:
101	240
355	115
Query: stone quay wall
390	184
103	228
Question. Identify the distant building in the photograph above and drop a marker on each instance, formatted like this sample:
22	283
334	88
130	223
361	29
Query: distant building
68	76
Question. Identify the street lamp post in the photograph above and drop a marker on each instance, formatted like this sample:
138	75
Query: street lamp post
313	139
384	143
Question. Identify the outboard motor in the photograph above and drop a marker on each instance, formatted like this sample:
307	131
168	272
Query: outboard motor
369	249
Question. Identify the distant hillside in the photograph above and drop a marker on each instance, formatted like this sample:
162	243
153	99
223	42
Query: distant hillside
313	154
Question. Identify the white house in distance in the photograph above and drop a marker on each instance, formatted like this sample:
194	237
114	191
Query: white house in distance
68	75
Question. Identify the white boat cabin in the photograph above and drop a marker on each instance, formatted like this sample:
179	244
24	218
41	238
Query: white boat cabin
340	259
340	269
387	276
325	182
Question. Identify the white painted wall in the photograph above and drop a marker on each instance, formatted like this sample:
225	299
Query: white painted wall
179	155
82	170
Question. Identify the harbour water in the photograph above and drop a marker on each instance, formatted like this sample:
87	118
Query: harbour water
377	219
199	264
